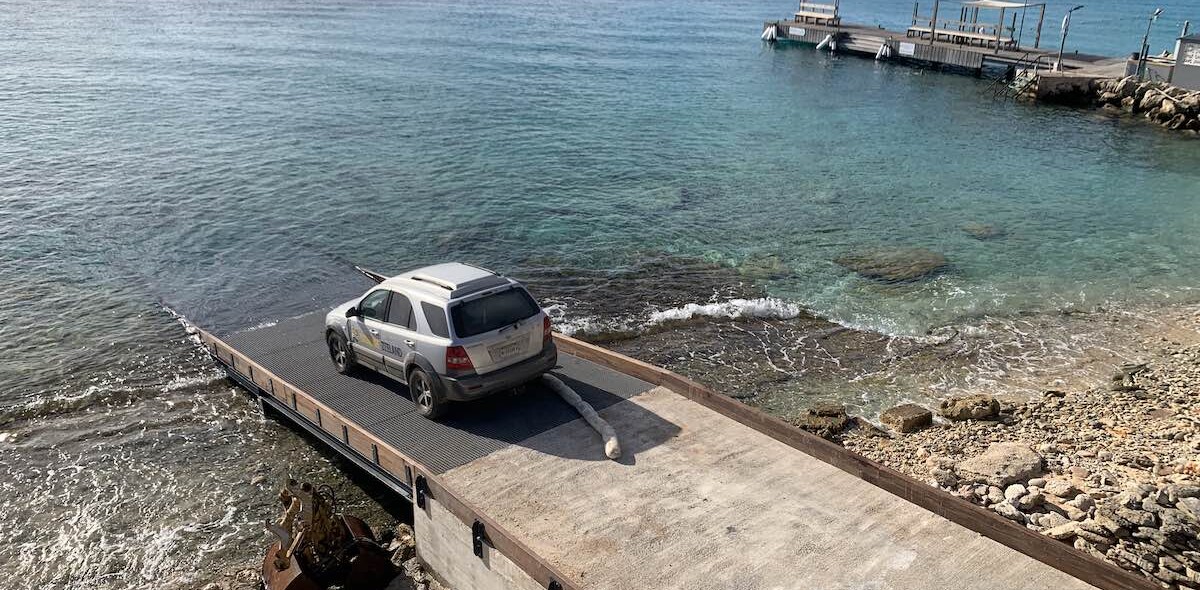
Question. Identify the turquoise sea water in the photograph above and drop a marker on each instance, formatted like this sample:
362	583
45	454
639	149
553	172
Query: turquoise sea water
230	159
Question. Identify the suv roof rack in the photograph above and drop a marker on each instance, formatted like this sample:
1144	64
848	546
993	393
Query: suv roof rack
433	281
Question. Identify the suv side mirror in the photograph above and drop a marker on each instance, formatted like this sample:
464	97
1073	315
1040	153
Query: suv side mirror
352	312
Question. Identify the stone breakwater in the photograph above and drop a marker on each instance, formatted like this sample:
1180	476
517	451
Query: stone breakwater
1170	106
1113	470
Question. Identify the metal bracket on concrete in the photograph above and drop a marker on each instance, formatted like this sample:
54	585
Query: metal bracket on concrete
422	491
477	535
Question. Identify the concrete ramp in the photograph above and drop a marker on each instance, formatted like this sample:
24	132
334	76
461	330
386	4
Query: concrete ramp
703	501
515	492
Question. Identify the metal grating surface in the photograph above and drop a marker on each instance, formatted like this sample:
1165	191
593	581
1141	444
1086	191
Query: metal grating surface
295	351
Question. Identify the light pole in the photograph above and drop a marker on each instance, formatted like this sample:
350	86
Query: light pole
1146	44
1065	25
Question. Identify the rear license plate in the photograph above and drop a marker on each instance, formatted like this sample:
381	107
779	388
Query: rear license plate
504	352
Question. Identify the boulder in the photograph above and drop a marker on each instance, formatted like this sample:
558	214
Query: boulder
1061	488
970	407
1150	101
1190	104
1167	110
1190	507
1002	464
945	478
1126	86
1009	511
894	265
1063	532
1031	500
1053	519
825	419
907	418
1138	94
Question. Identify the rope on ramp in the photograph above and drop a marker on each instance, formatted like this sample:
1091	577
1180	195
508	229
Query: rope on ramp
612	448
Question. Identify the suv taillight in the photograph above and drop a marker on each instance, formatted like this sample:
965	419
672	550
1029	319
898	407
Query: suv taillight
457	359
545	329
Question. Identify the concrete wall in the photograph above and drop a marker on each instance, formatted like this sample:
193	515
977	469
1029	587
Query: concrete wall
1156	70
1186	76
444	543
1064	88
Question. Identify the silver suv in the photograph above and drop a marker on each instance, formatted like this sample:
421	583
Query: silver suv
452	332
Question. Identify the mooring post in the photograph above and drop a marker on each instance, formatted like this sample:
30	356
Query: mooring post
933	22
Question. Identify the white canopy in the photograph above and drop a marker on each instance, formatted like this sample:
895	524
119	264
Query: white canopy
999	4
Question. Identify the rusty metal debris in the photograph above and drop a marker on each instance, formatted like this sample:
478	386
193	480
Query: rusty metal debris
319	548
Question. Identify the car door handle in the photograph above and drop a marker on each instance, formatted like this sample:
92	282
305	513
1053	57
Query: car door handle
374	332
410	343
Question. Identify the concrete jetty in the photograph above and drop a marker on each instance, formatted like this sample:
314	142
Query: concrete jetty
516	491
964	43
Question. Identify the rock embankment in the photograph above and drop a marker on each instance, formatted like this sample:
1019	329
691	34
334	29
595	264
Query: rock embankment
1170	106
1114	470
401	542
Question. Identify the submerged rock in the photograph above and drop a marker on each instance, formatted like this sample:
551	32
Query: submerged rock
907	418
894	265
983	231
764	267
970	407
1002	464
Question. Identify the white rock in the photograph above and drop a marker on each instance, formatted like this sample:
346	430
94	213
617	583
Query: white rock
1009	511
1060	488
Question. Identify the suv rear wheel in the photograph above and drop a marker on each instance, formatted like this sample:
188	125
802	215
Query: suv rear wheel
425	393
339	353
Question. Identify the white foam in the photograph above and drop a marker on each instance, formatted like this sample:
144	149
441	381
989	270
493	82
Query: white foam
764	307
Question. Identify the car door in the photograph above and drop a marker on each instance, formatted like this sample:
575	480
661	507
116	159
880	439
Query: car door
397	334
365	328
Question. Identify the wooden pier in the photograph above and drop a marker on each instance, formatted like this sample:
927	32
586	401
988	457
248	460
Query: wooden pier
516	492
965	43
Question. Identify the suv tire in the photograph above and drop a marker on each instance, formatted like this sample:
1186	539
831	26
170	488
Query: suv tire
340	353
426	394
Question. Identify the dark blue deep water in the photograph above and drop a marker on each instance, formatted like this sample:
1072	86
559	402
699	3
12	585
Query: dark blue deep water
228	160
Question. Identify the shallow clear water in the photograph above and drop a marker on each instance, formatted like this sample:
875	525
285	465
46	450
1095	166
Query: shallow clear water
230	159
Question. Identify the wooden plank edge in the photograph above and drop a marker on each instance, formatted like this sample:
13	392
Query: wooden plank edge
508	545
1056	554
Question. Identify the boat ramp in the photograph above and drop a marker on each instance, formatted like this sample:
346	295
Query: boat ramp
516	491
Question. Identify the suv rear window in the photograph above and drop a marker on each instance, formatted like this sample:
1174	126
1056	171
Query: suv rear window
436	318
491	312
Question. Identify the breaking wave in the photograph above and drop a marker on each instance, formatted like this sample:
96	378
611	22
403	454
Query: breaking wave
764	308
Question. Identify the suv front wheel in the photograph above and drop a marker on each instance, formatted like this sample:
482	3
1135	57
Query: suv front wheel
339	353
426	394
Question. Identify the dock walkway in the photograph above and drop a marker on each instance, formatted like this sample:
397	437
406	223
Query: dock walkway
867	40
515	491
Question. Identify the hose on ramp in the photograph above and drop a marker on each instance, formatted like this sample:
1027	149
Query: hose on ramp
612	448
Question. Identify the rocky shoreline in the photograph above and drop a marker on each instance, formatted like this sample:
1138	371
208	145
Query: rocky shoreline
1113	469
1172	107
